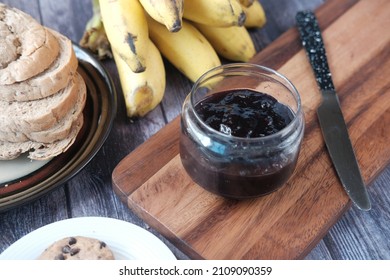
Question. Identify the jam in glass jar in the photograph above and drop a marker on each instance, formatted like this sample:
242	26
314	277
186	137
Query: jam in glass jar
241	129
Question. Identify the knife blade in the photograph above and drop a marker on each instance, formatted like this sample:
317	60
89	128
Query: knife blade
330	116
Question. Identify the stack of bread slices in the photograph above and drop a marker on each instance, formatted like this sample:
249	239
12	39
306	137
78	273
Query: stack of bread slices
42	96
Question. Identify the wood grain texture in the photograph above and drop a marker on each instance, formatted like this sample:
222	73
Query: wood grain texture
358	235
290	222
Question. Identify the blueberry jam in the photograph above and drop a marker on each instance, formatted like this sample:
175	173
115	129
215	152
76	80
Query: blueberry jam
244	113
215	164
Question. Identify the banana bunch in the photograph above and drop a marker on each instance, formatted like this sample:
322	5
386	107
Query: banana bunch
190	34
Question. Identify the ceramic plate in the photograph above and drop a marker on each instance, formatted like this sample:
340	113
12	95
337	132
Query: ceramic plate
126	240
12	170
28	179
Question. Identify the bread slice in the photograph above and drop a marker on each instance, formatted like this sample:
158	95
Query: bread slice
60	130
9	51
41	114
35	46
48	82
14	23
40	151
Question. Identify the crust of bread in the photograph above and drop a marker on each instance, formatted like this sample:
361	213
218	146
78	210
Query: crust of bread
35	46
48	82
60	130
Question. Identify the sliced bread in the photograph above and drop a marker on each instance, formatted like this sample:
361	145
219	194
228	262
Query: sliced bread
42	96
48	82
35	46
40	151
60	130
41	114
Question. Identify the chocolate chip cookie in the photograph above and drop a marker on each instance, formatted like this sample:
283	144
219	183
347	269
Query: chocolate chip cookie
77	248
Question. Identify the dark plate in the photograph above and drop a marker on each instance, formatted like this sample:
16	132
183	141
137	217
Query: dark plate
99	113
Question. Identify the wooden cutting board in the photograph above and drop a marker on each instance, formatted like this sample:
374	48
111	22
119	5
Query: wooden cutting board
288	223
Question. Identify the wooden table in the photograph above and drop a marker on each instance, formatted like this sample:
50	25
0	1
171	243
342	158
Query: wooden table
357	235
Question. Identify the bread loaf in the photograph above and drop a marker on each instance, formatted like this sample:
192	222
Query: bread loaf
42	96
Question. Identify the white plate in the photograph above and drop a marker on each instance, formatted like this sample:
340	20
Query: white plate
19	167
126	240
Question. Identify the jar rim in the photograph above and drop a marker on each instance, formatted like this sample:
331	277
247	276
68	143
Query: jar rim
266	70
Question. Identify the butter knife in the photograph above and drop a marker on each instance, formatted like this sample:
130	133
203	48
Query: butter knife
329	113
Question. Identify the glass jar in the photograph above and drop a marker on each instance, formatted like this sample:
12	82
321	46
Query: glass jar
240	167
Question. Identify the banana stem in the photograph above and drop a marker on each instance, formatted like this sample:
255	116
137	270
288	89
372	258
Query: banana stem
94	37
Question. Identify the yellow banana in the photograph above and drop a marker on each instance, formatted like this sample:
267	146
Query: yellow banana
221	13
127	31
255	15
167	12
232	42
246	3
188	50
142	91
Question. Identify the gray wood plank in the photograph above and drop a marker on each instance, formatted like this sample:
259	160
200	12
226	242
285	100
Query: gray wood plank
364	235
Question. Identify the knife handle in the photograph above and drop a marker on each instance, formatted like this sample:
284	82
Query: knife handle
314	45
